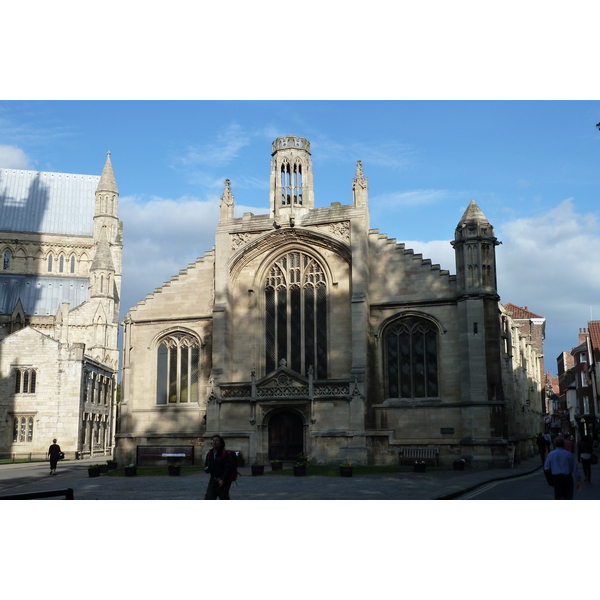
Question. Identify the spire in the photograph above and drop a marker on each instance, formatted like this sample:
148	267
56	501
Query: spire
227	202
107	182
473	214
360	186
103	258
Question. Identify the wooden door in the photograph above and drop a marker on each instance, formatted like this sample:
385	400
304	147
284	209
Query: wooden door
286	436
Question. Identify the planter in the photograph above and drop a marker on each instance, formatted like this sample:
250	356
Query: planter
300	471
346	471
258	469
420	468
130	471
174	470
458	465
103	468
93	471
276	465
112	465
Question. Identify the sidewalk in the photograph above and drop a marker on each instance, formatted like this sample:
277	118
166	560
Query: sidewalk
434	484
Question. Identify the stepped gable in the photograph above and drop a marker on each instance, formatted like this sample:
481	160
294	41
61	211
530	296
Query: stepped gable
383	238
173	279
519	312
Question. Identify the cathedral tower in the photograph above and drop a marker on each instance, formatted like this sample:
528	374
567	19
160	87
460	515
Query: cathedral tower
292	193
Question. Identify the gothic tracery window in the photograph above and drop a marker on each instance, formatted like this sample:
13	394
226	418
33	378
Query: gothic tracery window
411	359
6	260
178	362
296	314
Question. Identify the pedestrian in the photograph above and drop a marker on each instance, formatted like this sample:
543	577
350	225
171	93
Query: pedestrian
54	454
584	451
548	440
570	443
562	467
219	465
541	444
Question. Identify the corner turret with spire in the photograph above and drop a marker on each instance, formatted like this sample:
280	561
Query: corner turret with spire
474	244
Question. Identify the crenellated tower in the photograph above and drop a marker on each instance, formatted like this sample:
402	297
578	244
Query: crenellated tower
291	192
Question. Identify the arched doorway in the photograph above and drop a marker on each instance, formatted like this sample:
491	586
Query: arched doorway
286	435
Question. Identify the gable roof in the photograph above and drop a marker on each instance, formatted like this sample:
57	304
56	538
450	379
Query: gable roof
519	312
43	202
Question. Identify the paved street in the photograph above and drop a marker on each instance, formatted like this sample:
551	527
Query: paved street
434	484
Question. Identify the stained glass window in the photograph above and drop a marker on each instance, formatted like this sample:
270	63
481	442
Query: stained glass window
296	315
178	363
411	359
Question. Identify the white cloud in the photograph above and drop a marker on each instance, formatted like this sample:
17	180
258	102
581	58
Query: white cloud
163	236
410	198
548	263
12	157
221	152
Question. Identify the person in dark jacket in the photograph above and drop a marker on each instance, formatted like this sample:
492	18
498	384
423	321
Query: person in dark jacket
584	455
54	454
562	465
541	444
220	466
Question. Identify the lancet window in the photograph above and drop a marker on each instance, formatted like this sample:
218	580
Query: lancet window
296	315
25	381
411	359
178	363
291	183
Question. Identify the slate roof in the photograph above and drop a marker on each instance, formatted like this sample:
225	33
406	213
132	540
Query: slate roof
41	295
44	202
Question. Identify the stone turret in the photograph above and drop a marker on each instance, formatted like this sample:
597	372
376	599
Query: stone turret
292	193
474	244
107	203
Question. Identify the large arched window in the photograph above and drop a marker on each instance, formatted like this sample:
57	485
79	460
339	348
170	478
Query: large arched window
296	314
411	359
178	361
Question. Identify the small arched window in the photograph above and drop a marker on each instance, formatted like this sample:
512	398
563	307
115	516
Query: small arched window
178	364
72	264
49	263
6	260
411	359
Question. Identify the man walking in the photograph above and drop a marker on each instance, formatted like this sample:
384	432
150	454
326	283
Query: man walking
563	467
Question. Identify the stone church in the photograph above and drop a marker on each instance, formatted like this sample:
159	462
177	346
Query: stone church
304	330
60	284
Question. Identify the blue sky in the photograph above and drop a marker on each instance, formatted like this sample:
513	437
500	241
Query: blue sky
532	166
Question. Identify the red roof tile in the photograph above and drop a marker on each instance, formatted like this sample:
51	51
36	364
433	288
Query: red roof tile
521	313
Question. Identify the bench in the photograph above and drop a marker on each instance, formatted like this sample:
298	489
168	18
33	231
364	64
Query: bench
411	454
67	493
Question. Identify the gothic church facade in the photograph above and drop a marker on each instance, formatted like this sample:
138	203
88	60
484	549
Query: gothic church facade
304	330
60	284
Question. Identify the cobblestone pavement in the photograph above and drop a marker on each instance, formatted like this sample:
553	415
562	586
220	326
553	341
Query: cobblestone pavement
434	484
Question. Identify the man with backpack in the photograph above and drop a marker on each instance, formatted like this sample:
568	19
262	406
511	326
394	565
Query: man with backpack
220	465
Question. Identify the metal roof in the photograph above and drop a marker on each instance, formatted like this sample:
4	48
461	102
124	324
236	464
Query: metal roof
41	295
41	202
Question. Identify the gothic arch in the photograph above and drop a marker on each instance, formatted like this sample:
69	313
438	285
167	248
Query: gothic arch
282	239
410	357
